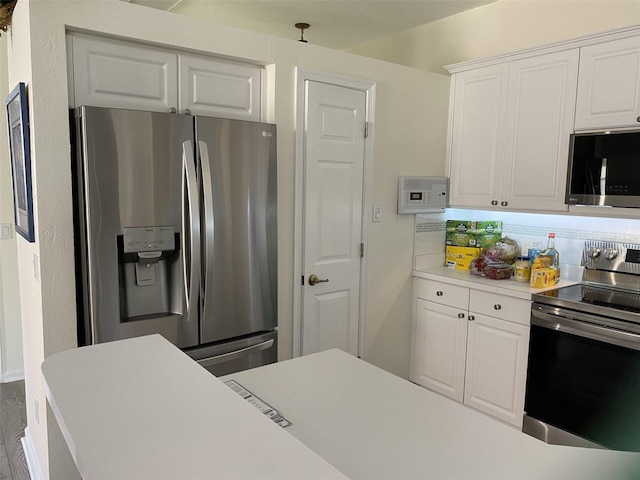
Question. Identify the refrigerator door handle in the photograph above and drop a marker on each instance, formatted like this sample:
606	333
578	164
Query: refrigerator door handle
243	352
209	226
190	209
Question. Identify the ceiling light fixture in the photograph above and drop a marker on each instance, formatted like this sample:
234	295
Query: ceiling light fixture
302	27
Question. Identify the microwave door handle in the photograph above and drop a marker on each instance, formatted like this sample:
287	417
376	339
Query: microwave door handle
586	330
208	218
191	232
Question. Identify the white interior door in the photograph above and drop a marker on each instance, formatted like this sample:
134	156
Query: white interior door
333	185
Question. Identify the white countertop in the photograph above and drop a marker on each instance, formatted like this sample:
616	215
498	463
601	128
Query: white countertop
371	424
505	287
142	409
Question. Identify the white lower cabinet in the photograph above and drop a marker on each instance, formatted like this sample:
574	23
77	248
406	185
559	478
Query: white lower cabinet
471	346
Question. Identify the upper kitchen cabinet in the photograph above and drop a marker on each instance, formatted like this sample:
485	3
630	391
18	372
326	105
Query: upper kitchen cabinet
111	73
609	85
476	137
219	89
120	75
540	112
509	138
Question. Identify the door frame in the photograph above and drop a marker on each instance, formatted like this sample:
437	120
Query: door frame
369	88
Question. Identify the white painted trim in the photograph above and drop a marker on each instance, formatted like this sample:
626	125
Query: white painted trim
30	456
549	48
12	376
369	87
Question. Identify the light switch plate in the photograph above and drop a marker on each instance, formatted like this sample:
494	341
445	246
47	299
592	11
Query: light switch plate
377	214
36	267
5	231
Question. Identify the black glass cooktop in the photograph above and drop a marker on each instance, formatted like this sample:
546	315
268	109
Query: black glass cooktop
600	300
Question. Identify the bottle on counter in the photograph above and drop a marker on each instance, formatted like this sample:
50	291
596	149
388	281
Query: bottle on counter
523	269
534	251
551	251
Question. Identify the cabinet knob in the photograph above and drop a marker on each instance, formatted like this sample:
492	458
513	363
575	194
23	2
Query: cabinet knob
504	204
461	315
471	318
187	111
172	110
497	306
638	119
439	293
494	202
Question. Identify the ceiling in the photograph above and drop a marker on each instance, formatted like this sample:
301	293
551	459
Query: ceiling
337	24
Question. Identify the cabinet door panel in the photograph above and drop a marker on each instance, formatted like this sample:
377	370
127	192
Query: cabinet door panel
109	73
541	102
220	89
496	368
439	349
477	135
609	85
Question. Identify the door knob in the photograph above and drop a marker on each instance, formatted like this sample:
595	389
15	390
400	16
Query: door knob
313	279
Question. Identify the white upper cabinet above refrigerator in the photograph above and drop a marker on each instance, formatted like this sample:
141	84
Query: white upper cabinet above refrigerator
219	89
117	74
509	133
609	85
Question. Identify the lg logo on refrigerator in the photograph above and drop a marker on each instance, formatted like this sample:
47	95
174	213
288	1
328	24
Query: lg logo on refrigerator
267	134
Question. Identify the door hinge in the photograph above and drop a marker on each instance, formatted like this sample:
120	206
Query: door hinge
362	250
366	129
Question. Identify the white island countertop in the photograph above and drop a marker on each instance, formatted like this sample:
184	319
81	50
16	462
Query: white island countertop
142	409
371	425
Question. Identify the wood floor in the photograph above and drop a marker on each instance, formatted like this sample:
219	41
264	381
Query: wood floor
13	420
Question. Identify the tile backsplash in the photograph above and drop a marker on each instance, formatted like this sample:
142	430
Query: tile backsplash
528	229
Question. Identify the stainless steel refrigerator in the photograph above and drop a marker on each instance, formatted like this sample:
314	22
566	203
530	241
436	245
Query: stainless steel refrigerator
176	233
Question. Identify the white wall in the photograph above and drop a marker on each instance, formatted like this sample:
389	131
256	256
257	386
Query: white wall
11	366
501	27
410	129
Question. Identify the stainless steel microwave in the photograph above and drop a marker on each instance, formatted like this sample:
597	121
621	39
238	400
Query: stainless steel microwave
604	169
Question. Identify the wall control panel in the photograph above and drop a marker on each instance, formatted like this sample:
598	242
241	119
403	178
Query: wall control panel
422	194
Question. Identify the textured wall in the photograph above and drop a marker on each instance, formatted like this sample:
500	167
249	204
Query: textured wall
501	27
10	323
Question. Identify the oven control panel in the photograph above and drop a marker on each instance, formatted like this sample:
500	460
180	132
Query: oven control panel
612	256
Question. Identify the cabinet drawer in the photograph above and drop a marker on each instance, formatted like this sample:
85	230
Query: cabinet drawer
443	293
511	309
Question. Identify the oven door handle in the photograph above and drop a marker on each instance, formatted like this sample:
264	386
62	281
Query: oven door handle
584	329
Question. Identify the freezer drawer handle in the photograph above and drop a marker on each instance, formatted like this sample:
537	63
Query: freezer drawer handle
243	352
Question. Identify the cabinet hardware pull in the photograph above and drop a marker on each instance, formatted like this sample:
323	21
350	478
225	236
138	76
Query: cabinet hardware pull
471	318
172	110
504	204
439	293
494	202
638	119
497	306
461	315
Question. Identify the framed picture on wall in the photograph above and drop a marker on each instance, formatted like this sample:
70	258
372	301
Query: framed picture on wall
18	121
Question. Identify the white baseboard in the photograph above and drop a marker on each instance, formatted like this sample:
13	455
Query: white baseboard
30	456
12	376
